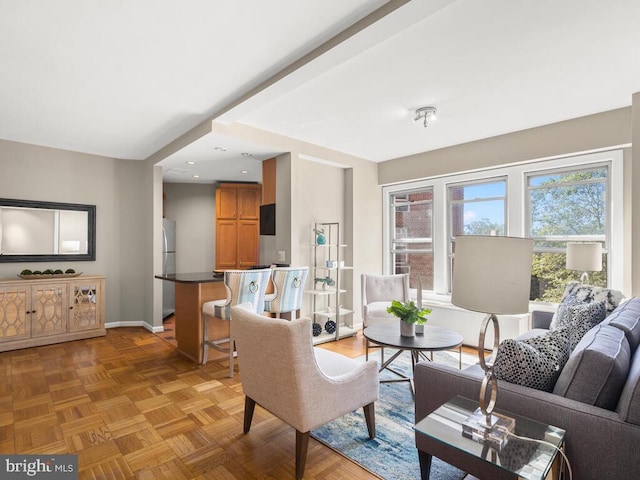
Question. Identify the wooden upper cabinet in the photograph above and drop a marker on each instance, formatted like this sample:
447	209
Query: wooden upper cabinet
249	203
238	200
237	225
226	202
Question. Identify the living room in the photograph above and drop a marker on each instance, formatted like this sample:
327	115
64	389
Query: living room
316	182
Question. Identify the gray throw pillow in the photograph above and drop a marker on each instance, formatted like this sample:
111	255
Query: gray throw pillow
533	362
579	318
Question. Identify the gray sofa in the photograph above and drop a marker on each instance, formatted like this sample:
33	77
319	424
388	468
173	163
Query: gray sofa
596	400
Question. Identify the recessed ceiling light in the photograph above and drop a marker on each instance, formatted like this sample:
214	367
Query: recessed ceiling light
196	176
245	154
244	172
191	162
220	149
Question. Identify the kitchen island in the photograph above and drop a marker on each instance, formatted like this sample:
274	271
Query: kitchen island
192	290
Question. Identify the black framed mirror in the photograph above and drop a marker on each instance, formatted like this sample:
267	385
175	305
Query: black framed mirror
32	231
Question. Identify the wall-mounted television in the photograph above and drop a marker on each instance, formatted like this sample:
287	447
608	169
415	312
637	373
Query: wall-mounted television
268	219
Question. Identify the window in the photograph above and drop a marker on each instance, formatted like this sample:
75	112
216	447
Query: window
554	201
411	237
476	208
565	206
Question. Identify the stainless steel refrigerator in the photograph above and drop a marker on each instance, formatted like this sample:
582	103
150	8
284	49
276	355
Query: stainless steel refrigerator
168	266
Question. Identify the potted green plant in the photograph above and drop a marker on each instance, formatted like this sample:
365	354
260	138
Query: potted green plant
325	281
409	314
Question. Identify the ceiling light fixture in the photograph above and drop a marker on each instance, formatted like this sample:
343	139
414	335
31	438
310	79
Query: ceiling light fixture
426	113
245	154
191	162
244	172
220	149
196	176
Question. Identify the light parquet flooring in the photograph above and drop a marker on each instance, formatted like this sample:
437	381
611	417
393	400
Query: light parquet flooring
131	407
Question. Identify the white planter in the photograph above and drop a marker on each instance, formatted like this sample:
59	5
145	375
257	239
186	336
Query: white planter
407	329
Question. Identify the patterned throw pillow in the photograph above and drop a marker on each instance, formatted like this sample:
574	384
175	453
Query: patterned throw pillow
534	362
579	318
590	293
561	311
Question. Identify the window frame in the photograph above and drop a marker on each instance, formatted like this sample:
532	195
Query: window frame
517	211
469	183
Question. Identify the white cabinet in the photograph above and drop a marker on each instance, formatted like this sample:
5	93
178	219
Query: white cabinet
331	318
45	311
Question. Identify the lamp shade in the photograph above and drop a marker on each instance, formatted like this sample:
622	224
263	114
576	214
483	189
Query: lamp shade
586	257
492	274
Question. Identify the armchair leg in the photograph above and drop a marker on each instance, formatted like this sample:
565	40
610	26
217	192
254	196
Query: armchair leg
249	407
302	443
370	417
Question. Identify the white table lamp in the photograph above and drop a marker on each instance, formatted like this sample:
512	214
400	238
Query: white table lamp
491	275
585	257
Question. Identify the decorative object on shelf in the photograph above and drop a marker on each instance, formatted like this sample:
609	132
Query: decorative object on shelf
27	274
492	275
334	264
317	329
320	238
330	326
325	281
409	314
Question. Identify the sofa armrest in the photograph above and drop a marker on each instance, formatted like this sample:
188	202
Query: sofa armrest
589	429
540	319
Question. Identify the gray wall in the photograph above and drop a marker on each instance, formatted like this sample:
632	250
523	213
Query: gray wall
114	187
193	207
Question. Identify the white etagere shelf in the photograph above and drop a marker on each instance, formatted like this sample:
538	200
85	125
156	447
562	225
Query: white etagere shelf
331	319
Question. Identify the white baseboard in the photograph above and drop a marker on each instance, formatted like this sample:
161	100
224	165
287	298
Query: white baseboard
145	325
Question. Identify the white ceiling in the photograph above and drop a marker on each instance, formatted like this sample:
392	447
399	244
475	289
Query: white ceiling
123	78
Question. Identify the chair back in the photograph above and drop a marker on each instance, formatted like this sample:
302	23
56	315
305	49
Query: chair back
379	288
377	293
244	286
288	285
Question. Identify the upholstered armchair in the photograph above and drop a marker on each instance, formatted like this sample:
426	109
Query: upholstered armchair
377	293
288	285
242	286
304	386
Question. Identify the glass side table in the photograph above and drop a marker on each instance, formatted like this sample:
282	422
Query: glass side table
522	458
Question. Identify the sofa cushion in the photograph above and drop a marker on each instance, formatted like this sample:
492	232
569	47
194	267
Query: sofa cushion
627	318
533	362
597	369
629	404
579	318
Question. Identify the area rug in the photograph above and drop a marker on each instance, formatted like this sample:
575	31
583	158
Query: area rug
392	455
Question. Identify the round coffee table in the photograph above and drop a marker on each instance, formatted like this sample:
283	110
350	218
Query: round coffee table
433	339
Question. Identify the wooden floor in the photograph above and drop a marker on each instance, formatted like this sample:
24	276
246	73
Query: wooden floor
131	407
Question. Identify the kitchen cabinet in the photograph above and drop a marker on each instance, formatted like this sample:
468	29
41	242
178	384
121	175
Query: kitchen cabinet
46	311
237	225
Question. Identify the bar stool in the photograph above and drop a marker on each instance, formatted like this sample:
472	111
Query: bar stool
288	284
242	286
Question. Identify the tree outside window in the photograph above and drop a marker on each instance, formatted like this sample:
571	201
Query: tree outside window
566	206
